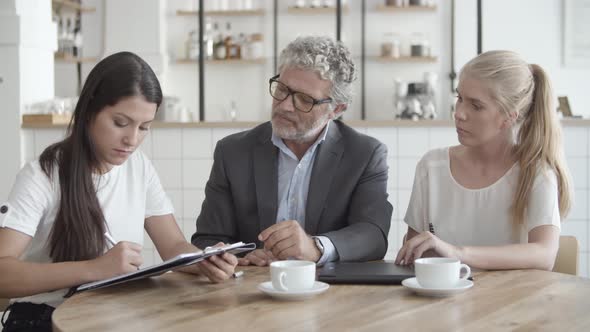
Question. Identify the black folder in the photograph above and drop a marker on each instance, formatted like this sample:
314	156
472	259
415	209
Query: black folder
381	272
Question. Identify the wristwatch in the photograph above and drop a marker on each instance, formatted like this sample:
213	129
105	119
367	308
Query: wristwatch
318	243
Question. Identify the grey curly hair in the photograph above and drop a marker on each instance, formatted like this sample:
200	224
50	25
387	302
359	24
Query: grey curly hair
331	59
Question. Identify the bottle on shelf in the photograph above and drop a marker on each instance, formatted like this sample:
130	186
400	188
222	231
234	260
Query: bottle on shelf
69	38
232	111
231	46
208	40
240	45
192	46
77	41
60	36
219	48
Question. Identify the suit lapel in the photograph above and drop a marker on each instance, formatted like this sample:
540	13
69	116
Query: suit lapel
266	180
326	161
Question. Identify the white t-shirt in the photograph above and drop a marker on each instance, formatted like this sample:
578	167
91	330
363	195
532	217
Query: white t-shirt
128	194
477	217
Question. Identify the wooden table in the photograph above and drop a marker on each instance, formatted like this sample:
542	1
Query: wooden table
507	300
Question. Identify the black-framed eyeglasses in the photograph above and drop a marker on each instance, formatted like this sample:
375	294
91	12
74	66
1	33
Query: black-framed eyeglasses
301	101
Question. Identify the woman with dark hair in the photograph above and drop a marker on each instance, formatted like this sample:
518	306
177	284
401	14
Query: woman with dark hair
53	225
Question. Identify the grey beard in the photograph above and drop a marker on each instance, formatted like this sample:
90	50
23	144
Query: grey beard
299	137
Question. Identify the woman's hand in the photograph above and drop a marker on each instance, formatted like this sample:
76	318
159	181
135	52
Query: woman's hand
123	258
415	248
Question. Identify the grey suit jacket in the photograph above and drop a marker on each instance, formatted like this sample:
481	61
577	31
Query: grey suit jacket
347	198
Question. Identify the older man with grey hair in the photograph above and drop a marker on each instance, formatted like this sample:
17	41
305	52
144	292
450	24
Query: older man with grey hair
301	186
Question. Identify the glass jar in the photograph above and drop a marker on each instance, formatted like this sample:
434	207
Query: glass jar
387	45
418	3
396	49
419	45
248	5
299	3
391	45
329	3
394	3
315	3
255	48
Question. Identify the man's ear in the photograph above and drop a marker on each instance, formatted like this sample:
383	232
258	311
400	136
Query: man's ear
340	108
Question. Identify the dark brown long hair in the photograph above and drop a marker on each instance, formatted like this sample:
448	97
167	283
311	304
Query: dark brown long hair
79	227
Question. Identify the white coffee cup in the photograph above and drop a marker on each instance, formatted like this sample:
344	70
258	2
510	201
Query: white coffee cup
439	272
292	276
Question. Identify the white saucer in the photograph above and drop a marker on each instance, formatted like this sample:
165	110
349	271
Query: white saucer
318	287
461	286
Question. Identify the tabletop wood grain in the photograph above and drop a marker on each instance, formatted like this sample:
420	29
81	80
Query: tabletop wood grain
521	300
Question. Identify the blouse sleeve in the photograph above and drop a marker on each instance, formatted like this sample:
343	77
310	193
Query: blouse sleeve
543	207
28	201
416	212
157	202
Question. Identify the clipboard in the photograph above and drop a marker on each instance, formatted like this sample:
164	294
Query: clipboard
177	262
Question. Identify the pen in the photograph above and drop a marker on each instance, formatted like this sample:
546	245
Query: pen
238	274
110	239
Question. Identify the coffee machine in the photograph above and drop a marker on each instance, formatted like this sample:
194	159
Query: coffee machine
416	100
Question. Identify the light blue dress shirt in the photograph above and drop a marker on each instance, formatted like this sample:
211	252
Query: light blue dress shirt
294	177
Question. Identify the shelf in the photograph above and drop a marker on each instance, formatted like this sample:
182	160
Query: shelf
229	61
418	59
313	11
72	5
32	120
71	59
47	121
252	12
392	9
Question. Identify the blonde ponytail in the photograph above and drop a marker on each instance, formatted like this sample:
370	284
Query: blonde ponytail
539	145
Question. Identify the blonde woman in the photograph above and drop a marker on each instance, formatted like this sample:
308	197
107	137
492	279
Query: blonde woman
496	200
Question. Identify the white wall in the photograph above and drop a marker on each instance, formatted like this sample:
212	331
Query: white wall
534	28
27	43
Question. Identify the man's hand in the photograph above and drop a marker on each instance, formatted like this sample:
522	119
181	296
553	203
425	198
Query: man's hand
258	257
287	239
